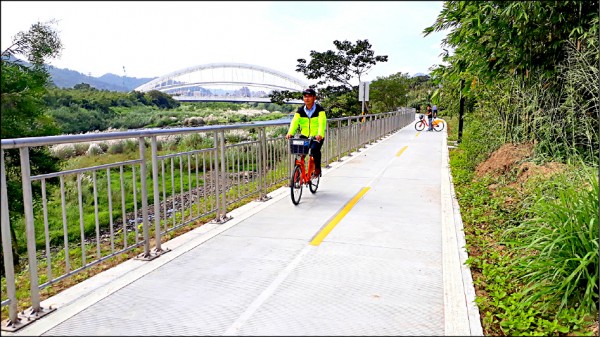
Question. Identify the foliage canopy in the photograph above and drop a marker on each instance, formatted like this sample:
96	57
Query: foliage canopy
335	71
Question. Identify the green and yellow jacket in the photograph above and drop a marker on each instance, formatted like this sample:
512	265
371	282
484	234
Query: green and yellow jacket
309	126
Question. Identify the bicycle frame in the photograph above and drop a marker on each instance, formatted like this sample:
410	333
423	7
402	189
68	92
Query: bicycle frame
306	174
437	124
303	175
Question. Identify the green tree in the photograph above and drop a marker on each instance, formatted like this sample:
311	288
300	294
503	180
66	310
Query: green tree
498	38
280	97
389	93
23	111
341	103
511	56
342	66
335	71
161	100
83	86
138	96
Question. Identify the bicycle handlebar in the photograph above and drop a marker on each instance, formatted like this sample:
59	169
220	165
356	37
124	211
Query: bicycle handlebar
311	138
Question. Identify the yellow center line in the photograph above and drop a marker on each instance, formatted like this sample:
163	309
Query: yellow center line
401	150
329	227
418	133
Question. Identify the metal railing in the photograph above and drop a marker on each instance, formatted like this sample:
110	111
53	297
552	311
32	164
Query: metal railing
84	216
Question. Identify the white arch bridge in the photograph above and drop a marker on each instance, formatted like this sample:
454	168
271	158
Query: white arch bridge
224	82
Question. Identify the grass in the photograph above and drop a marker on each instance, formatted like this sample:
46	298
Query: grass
533	246
75	253
557	248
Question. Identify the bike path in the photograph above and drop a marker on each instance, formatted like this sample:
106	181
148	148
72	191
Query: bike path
378	250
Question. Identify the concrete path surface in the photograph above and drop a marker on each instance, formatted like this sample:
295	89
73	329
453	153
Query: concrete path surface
378	250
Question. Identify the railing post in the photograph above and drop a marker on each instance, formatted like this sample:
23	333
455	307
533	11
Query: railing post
29	228
36	311
370	126
223	216
146	255
388	126
369	139
157	229
216	177
349	136
338	134
327	148
357	124
357	143
259	163
9	268
220	182
353	135
262	164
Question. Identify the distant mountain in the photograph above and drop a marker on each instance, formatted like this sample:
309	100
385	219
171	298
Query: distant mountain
66	78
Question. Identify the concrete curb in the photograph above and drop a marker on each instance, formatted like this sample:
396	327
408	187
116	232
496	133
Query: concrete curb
462	313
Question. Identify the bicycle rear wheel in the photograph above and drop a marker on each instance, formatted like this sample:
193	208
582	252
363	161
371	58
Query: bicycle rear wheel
313	184
420	125
439	126
296	185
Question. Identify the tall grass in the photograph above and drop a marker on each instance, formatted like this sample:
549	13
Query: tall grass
577	114
557	248
561	116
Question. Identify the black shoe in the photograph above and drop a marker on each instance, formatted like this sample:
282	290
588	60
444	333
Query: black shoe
317	172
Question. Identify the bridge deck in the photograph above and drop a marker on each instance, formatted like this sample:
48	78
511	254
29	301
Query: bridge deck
391	265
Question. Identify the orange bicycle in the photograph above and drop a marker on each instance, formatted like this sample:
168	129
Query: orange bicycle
301	174
438	124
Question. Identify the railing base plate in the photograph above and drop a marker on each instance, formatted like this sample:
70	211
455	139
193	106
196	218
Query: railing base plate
221	220
264	198
24	319
152	255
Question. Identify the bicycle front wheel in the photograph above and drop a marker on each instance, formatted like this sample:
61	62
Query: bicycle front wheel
438	126
296	185
420	125
313	184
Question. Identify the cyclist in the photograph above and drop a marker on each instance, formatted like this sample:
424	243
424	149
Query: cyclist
430	117
311	119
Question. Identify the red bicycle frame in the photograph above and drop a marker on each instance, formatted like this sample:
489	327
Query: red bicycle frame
306	174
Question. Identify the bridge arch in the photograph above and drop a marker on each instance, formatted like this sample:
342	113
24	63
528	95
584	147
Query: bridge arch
224	81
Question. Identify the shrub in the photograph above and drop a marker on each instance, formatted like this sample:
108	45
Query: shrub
130	145
236	136
94	150
81	148
116	147
169	142
103	146
192	141
277	132
212	120
193	121
63	151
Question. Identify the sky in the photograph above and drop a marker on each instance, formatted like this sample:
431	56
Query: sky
154	38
